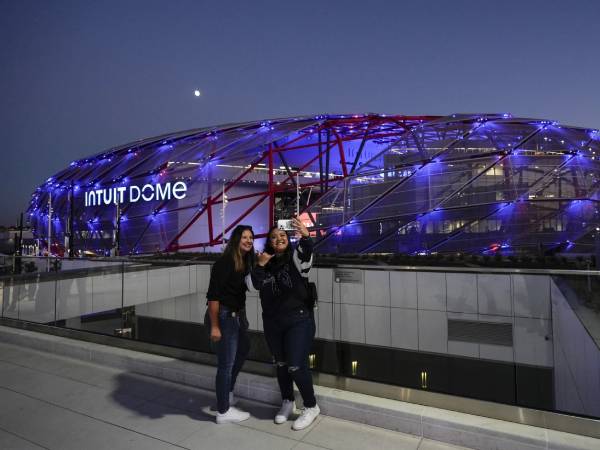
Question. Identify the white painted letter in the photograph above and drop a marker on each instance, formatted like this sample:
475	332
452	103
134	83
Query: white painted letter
163	193
179	190
133	199
107	198
121	190
147	186
92	198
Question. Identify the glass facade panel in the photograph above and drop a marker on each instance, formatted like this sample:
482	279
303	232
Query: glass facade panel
371	173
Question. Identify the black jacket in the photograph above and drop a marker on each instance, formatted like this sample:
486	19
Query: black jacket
282	284
226	285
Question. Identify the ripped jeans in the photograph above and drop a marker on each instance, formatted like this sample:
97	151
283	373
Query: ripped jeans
289	337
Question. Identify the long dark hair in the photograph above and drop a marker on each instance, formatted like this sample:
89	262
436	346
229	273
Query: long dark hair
278	259
242	263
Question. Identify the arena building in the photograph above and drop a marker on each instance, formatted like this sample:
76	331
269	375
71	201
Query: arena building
373	183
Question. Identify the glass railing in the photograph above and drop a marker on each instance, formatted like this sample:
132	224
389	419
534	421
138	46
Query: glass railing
576	343
517	337
52	290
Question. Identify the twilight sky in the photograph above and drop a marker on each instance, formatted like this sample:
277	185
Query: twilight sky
80	76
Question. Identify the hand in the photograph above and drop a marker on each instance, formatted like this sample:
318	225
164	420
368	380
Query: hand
215	334
300	227
264	258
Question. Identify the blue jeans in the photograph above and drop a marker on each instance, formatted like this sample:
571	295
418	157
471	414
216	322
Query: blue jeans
289	336
231	351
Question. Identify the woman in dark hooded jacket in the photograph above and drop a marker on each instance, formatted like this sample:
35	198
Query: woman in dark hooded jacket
281	277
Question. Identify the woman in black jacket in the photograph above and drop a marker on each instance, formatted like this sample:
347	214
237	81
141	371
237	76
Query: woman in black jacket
226	318
281	277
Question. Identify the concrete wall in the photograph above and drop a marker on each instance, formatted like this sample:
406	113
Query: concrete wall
410	310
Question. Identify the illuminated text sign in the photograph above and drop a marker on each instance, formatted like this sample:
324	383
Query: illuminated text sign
133	194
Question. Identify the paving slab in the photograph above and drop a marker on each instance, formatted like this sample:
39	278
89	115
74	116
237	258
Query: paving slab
9	441
54	427
340	434
235	437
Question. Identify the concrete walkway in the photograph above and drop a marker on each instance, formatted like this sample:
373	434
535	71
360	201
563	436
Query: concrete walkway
53	402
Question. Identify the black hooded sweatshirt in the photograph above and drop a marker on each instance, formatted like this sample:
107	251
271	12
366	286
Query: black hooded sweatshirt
282	282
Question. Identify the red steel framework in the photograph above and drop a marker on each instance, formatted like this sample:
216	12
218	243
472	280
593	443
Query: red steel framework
370	123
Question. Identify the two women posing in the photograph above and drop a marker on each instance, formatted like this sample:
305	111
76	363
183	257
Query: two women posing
280	276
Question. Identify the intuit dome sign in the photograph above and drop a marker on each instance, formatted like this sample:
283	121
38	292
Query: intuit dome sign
134	194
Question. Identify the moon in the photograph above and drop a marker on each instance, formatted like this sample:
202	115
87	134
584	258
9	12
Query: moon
197	92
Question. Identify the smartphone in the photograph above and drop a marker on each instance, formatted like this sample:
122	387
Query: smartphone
285	225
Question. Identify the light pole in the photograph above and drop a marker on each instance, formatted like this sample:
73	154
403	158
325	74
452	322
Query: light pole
49	228
223	204
117	230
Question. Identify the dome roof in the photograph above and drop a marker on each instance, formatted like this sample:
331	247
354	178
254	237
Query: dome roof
380	177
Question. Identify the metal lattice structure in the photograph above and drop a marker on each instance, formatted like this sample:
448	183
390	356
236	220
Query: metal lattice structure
364	184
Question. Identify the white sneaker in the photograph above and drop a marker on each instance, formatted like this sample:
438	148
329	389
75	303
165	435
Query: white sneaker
307	417
287	408
232	400
232	415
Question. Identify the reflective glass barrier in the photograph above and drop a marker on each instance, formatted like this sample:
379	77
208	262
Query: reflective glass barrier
528	339
63	292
